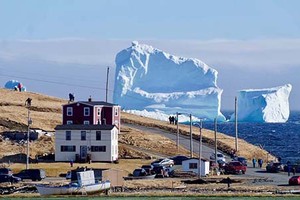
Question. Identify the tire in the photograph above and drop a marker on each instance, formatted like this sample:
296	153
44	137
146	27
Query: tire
243	172
39	179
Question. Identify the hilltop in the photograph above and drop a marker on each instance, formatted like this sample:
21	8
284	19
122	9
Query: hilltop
46	114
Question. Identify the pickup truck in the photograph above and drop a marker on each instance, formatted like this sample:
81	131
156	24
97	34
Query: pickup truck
235	167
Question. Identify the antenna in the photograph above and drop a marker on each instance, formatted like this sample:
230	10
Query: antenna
107	75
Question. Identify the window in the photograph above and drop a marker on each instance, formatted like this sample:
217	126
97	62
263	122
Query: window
67	148
193	165
98	135
69	111
98	148
86	122
83	135
68	135
86	111
98	111
116	111
69	122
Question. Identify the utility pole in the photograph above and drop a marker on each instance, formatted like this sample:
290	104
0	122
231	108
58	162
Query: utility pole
177	141
216	141
29	122
236	125
107	76
191	137
200	148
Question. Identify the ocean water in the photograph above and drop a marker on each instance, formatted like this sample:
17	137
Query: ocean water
280	139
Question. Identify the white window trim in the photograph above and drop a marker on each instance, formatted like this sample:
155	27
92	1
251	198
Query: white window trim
70	109
69	121
89	111
98	112
116	111
86	122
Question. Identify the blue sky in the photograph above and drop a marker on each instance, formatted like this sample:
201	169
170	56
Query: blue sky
155	19
252	44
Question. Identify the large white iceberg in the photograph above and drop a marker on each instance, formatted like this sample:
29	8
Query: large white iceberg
264	105
148	78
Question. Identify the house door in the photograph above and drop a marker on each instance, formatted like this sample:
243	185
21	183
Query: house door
83	153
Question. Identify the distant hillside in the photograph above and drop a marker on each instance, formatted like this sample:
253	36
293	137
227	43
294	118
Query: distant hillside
45	110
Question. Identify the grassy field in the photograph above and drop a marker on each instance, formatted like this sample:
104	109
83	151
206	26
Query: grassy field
56	168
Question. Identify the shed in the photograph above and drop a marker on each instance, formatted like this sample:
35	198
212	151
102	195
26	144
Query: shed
192	165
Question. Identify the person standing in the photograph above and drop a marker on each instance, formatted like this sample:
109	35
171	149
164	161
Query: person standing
170	119
253	162
260	162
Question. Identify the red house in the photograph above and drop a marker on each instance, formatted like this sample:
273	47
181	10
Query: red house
91	112
89	131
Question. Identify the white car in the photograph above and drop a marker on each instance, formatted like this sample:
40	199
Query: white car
164	162
220	157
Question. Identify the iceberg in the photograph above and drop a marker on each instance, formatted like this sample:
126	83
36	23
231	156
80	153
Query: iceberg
150	79
269	105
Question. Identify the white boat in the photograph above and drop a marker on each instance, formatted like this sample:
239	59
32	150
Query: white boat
86	185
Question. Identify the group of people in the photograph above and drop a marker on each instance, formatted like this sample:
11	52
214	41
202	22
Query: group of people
19	87
259	161
172	120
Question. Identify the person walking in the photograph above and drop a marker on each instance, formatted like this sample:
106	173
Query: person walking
253	162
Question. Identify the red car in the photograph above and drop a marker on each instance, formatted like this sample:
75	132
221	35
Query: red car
294	180
235	167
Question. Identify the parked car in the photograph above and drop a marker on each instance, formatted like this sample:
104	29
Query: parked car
5	171
160	171
139	172
275	167
295	167
9	178
163	161
241	160
294	180
148	168
178	159
235	167
220	156
33	174
69	175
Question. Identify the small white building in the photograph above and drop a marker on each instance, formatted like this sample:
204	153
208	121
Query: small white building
84	142
192	165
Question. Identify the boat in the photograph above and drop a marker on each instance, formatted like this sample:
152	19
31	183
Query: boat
139	177
86	184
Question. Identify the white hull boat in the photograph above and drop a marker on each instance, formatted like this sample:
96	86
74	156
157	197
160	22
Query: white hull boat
72	189
86	184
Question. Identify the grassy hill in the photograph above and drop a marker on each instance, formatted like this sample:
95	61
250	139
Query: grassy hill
46	114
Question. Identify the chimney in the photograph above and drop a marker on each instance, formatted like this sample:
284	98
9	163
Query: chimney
90	99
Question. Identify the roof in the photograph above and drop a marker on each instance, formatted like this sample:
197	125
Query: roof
93	103
84	127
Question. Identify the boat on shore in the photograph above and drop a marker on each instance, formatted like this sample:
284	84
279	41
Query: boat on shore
139	177
86	185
